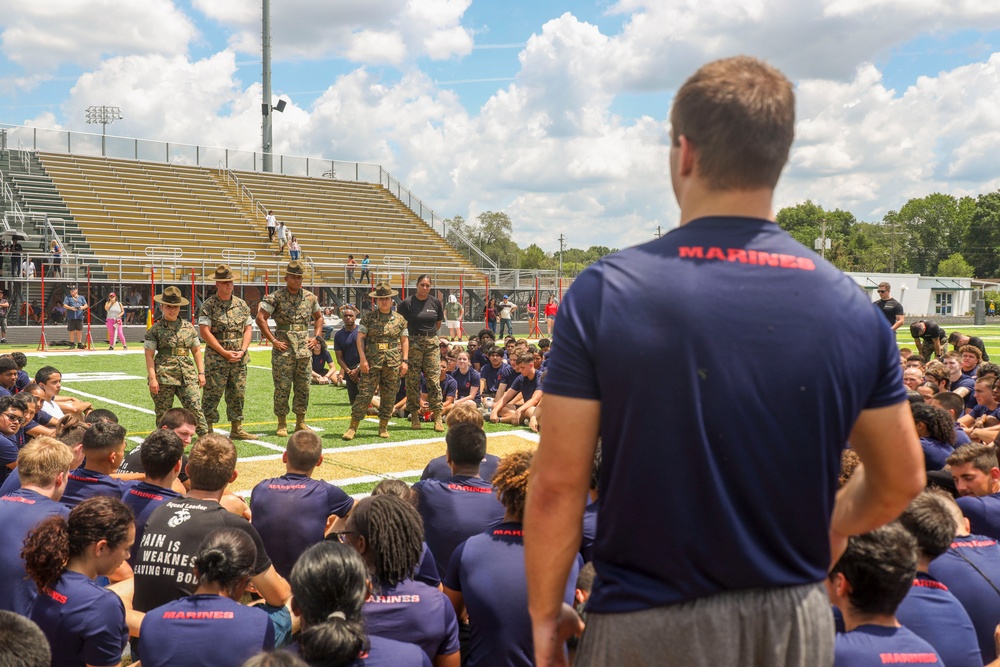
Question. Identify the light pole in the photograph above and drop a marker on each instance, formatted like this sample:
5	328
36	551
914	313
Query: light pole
562	239
265	107
103	115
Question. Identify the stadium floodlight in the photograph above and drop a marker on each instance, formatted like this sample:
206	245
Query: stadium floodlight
103	115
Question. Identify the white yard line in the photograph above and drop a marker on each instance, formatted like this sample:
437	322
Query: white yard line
108	400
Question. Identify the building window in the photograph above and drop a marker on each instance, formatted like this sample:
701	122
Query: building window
943	303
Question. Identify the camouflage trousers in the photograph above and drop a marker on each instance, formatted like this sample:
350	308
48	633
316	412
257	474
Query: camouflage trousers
190	398
927	349
425	355
288	371
386	380
222	376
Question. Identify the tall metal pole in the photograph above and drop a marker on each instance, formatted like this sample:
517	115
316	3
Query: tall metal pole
561	240
265	107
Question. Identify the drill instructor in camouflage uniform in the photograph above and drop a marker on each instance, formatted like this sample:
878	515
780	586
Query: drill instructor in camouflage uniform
227	329
383	345
172	372
423	314
291	307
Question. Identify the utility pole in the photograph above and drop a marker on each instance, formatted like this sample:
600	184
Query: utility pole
659	233
562	240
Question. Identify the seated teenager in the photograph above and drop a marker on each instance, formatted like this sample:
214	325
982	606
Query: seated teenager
426	571
976	473
930	609
329	588
84	623
937	435
438	468
525	387
961	384
954	405
495	376
449	390
468	380
867	584
486	340
323	369
971	357
386	531
162	452
210	628
104	449
486	577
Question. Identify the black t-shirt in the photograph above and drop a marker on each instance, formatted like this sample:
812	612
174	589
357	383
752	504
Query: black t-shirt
976	341
164	563
933	331
890	308
421	316
132	463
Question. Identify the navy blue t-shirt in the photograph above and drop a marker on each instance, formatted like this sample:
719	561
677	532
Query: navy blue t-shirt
23	380
84	484
290	513
382	653
865	645
970	384
415	613
766	490
466	382
453	510
527	386
209	630
589	530
11	484
320	361
961	437
84	623
438	468
143	498
963	580
448	387
427	571
981	411
20	512
983	514
936	453
496	376
488	570
8	454
934	614
347	343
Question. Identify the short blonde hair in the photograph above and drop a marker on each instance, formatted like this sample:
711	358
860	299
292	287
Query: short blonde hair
41	460
465	412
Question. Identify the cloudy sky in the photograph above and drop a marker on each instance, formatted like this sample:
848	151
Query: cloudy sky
554	112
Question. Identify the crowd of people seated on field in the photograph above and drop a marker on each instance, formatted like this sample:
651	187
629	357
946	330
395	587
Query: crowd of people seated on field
173	568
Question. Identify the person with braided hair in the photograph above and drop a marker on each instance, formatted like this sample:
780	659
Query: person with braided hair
937	434
329	586
210	628
486	577
389	535
84	623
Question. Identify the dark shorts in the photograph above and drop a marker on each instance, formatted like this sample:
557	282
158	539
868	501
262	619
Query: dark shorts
74	325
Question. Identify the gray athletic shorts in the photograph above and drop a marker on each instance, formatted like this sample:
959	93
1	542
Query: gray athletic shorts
778	627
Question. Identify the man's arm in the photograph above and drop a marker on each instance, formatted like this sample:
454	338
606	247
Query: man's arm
937	347
506	398
272	587
899	322
893	473
553	518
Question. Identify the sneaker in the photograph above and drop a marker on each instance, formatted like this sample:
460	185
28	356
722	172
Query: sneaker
111	349
3	340
124	347
81	346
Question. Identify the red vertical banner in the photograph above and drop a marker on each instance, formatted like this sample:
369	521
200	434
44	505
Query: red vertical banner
41	340
486	307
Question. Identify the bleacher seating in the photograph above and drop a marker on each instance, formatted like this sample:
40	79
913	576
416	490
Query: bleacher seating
126	206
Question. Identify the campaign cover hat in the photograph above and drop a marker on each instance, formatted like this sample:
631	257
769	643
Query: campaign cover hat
382	290
222	274
171	297
295	268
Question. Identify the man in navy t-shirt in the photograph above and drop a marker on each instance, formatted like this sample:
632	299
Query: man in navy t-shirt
867	585
463	505
11	418
762	472
44	464
526	386
104	449
345	346
495	376
291	512
162	452
977	479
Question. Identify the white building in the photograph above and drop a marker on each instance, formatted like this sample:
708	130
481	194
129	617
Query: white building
924	296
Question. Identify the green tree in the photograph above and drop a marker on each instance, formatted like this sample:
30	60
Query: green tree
935	226
982	240
955	266
533	257
806	222
867	248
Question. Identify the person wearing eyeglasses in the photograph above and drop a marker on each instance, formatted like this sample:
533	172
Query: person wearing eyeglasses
10	423
892	309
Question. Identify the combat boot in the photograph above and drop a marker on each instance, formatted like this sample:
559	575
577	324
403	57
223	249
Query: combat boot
351	430
282	427
415	420
300	423
438	424
237	432
383	428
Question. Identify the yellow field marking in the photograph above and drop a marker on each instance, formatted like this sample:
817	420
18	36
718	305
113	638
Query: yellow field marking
381	462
